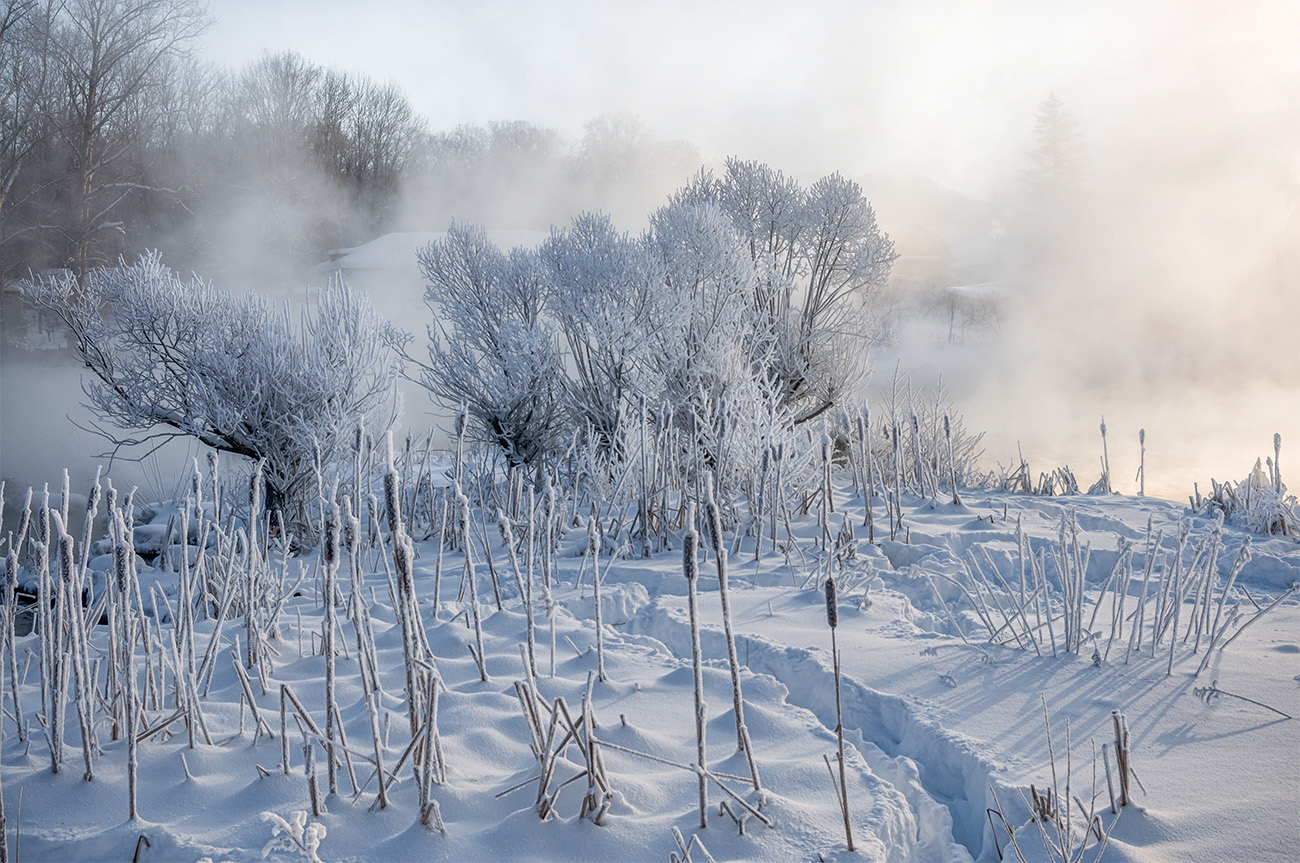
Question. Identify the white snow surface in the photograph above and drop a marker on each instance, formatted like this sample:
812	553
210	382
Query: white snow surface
931	723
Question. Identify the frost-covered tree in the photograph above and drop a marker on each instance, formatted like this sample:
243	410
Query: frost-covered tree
171	358
745	308
607	296
491	347
109	60
821	261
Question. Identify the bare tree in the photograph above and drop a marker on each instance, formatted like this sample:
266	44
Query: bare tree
108	59
822	262
492	347
23	65
182	359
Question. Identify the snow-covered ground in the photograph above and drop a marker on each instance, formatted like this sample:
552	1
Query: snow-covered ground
935	722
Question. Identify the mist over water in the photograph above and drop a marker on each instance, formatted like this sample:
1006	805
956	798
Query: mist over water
1166	296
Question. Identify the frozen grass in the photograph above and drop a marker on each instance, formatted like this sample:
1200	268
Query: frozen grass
214	677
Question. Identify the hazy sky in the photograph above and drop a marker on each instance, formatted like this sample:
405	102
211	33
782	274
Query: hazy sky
946	89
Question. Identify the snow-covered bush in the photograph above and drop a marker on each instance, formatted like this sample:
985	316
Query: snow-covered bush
172	358
821	262
615	319
743	311
491	347
1259	502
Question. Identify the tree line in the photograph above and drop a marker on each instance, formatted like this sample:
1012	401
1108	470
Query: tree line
115	137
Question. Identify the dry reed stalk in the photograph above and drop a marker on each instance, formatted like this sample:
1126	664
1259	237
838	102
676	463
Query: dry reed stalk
690	567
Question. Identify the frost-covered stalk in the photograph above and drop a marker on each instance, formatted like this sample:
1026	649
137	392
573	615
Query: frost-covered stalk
123	563
1142	463
922	475
868	476
833	619
330	577
528	586
594	541
1201	620
11	578
690	566
12	556
1121	754
216	486
714	521
1105	461
4	827
50	652
406	610
458	468
437	567
87	533
898	482
65	498
1243	557
252	565
508	540
548	555
1135	634
952	466
1277	462
76	642
525	586
470	575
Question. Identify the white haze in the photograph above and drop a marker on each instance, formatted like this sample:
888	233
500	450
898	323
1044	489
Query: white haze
1176	306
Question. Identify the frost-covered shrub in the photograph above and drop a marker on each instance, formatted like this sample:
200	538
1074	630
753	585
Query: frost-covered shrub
821	262
492	347
180	358
1260	502
746	309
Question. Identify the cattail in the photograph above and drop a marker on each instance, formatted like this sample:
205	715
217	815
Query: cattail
833	618
331	551
392	504
1105	459
1142	462
832	609
1277	462
595	539
216	485
66	496
952	464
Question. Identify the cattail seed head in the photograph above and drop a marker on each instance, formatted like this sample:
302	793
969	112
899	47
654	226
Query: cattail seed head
391	502
832	609
65	559
121	548
947	427
331	549
1142	436
689	558
92	501
713	519
255	489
